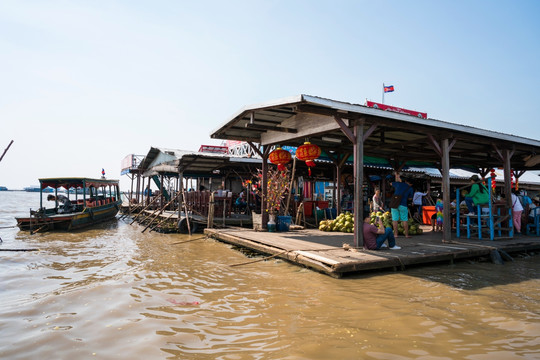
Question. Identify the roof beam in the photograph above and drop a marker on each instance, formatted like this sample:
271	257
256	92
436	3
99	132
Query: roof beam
306	125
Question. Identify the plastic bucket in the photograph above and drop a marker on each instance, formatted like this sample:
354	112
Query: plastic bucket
283	223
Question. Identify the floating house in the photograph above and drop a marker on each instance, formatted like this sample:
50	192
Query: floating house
343	130
199	174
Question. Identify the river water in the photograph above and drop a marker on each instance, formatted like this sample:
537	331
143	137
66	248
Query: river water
113	292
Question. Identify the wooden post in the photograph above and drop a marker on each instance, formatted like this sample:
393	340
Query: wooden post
161	187
130	193
335	185
181	198
447	222
290	186
210	219
264	188
138	196
358	182
338	189
507	183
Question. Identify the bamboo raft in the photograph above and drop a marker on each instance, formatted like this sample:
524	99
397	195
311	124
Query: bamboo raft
332	254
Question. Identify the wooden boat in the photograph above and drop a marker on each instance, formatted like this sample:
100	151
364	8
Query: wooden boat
99	202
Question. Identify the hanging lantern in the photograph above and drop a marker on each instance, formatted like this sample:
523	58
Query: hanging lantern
493	175
280	157
511	178
308	152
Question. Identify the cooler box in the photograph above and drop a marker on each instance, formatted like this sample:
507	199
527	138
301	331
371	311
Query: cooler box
283	223
320	214
308	208
322	204
331	213
427	212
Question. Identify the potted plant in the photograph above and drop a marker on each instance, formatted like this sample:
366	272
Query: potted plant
277	187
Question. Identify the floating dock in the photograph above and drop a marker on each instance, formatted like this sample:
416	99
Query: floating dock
325	252
168	221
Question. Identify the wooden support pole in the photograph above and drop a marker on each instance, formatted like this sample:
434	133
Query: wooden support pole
507	182
210	223
139	187
358	182
144	208
290	187
264	187
445	165
181	199
159	212
335	187
338	189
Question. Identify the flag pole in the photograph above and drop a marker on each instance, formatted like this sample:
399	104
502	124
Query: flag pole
383	93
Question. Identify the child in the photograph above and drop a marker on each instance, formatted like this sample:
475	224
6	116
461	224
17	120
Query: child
439	210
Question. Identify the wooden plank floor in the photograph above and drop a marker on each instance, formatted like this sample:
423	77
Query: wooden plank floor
324	251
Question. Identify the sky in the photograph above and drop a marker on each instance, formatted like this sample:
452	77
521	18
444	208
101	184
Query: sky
85	83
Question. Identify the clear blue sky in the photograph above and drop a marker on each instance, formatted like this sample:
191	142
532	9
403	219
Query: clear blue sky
84	83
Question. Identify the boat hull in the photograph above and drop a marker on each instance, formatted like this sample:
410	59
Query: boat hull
71	221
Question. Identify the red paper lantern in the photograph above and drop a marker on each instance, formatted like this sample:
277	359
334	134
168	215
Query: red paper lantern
493	176
280	157
511	178
308	152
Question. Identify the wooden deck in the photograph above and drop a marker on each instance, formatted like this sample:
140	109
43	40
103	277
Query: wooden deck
324	252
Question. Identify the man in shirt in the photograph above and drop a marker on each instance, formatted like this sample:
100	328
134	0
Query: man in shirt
374	237
66	203
403	188
417	201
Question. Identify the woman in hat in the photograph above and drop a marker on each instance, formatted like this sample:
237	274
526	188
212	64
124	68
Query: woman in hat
479	195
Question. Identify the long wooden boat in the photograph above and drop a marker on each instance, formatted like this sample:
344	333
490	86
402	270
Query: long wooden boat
99	201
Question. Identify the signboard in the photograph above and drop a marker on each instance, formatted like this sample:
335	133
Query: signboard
127	162
380	106
213	149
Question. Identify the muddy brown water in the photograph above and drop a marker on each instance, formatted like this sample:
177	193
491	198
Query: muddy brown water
113	292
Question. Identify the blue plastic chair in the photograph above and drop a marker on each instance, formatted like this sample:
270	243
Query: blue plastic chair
475	223
536	222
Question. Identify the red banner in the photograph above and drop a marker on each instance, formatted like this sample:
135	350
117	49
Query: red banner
380	106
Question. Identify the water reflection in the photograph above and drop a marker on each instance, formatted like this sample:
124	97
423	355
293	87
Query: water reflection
114	292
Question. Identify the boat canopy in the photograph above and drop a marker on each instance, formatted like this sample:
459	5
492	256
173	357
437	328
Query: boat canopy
74	182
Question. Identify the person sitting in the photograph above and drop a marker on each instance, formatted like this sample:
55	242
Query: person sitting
534	205
479	195
66	203
240	202
375	237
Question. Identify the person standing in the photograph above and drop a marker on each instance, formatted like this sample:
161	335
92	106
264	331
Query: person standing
378	204
418	200
517	209
402	187
439	213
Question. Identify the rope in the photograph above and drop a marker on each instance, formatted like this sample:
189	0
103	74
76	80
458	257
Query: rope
183	242
19	249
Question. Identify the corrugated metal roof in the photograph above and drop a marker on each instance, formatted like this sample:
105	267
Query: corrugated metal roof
395	136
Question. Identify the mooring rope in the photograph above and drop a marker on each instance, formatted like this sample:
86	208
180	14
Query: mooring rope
183	242
19	249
